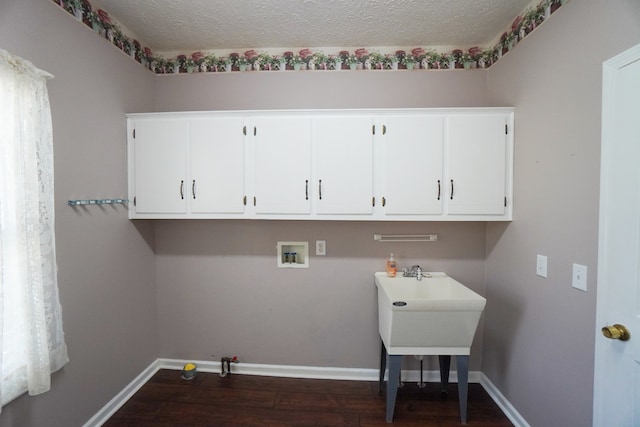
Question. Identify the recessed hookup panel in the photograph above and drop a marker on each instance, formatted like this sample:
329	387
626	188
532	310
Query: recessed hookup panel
293	254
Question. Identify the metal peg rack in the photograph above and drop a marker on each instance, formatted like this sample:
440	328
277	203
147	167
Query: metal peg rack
97	202
405	237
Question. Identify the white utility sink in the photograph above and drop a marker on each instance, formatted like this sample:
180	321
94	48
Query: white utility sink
436	315
433	316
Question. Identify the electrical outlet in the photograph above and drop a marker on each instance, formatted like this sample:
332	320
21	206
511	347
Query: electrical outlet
321	247
579	277
541	266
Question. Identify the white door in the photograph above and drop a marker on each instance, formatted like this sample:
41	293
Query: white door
216	153
282	165
477	153
343	157
617	362
160	165
413	165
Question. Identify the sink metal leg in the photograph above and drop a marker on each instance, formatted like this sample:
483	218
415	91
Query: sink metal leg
393	381
445	365
392	384
421	384
462	363
383	365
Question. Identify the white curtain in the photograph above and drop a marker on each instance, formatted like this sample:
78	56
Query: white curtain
31	335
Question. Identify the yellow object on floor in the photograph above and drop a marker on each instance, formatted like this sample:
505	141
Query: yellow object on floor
189	371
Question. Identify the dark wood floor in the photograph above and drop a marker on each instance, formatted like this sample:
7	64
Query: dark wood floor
245	400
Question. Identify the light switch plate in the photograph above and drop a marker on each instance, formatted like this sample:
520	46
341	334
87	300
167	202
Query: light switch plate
579	280
321	247
541	266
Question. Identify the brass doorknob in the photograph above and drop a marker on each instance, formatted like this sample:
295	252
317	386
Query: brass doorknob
616	332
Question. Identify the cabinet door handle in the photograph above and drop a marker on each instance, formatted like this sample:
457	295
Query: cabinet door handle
193	189
384	201
306	189
244	130
384	129
320	189
451	190
439	189
182	189
255	131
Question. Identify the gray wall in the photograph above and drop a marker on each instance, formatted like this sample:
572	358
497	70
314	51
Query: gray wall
539	333
219	291
106	263
321	89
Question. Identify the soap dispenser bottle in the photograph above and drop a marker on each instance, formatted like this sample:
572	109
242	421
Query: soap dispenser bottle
391	266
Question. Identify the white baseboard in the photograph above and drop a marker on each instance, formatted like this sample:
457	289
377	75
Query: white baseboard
506	406
312	372
277	370
121	398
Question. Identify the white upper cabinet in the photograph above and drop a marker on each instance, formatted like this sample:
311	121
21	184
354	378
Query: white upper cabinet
412	164
216	165
392	165
186	166
282	147
477	164
343	165
158	149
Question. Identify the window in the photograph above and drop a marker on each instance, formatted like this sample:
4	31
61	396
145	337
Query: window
31	335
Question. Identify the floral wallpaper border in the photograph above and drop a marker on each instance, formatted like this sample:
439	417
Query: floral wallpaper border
306	59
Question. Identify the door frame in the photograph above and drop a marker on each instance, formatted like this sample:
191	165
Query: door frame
609	70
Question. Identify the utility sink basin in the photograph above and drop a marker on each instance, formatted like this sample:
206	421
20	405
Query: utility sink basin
433	316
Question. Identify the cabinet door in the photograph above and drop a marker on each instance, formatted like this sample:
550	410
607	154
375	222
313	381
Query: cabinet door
343	156
282	150
413	164
216	153
477	164
160	165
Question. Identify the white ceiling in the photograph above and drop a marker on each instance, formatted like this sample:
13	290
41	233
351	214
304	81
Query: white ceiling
192	25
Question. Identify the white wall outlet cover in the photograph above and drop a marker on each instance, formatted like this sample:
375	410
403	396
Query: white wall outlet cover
579	280
321	247
541	266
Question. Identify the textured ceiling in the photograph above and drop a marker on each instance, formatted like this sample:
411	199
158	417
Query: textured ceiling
191	25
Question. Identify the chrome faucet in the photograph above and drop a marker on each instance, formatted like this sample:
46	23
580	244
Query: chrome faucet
415	271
